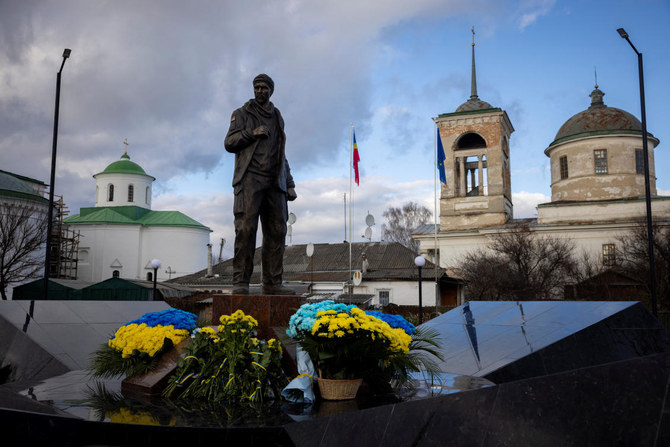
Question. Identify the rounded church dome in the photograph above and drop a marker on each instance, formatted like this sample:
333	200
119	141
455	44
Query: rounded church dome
13	187
473	104
123	166
12	184
599	119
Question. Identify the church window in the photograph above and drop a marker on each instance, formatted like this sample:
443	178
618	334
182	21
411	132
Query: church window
384	297
110	193
131	193
471	141
600	161
147	195
639	161
150	276
609	254
564	166
115	274
97	191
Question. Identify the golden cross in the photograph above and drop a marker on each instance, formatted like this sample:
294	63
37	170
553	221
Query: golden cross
125	142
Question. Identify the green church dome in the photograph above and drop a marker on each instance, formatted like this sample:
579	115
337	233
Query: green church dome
124	166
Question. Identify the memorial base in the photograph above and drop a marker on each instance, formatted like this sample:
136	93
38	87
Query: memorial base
269	310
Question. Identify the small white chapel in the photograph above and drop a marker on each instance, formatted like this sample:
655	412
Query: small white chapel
121	234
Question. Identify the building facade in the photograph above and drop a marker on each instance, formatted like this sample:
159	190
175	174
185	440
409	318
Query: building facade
121	234
597	181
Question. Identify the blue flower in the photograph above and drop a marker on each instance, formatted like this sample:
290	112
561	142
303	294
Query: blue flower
395	321
302	321
175	317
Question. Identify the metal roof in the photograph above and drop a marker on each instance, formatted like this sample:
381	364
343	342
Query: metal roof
330	263
124	166
598	119
132	215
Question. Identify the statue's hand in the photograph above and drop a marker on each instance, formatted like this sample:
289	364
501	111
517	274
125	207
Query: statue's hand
261	132
291	195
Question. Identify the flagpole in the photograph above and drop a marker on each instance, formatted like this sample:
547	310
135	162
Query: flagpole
437	210
351	200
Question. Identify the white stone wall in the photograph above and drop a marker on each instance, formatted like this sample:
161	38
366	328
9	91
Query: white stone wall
133	246
588	238
403	293
582	183
121	182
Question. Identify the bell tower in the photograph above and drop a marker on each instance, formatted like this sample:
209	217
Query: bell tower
477	163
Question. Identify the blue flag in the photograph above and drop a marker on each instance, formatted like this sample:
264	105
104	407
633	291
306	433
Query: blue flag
440	159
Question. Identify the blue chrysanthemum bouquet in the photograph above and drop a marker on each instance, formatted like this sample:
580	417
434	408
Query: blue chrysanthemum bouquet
344	342
135	347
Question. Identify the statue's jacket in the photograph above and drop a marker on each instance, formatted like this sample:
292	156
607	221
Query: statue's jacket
240	141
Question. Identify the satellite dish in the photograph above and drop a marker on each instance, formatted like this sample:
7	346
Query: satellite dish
289	231
310	249
369	220
358	278
368	233
291	218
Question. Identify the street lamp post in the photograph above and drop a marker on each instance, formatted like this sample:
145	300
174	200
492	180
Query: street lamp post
47	256
420	261
647	186
155	264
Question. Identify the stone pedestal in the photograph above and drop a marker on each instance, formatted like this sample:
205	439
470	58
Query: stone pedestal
269	310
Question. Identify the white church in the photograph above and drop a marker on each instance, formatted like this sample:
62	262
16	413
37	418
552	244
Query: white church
121	234
597	181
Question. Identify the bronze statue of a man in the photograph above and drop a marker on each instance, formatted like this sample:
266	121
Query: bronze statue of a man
262	184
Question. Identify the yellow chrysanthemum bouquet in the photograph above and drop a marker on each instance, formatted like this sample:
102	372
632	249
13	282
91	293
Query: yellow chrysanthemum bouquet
229	364
135	348
344	342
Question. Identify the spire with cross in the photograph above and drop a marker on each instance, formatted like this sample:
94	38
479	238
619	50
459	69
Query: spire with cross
473	85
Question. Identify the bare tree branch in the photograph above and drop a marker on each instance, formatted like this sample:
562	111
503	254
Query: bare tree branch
22	238
400	222
520	265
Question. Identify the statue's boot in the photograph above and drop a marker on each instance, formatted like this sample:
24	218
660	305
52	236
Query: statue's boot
241	289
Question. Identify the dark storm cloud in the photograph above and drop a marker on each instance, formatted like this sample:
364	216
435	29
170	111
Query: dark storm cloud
167	75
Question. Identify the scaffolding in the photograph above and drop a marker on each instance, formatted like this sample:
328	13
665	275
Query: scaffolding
64	245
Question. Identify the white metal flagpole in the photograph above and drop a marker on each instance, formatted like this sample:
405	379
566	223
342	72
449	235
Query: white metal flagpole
351	201
437	212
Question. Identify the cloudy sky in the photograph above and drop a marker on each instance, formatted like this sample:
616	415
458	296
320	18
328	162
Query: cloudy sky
166	75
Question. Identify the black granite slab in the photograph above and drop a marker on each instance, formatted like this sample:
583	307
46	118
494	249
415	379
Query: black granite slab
508	340
622	403
568	374
41	339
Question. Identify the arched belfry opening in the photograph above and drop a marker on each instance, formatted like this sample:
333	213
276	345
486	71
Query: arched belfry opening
471	168
470	140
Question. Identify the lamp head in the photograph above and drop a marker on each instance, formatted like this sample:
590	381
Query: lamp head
155	264
622	32
420	261
66	53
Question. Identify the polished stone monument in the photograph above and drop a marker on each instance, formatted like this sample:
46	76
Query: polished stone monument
514	373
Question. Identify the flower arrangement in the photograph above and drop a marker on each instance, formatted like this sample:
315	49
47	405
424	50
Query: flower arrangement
345	342
135	347
395	321
230	364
